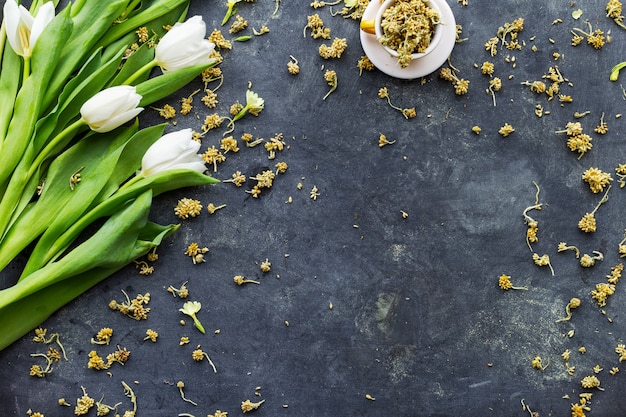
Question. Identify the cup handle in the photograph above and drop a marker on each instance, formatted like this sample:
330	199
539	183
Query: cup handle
367	26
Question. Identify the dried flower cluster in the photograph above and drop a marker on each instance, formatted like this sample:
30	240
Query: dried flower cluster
461	86
555	79
187	207
330	76
364	64
316	24
407	113
588	222
594	38
506	130
577	140
533	225
51	356
408	27
614	11
504	282
334	50
597	179
134	308
196	253
543	260
573	303
537	363
620	349
604	290
98	363
507	36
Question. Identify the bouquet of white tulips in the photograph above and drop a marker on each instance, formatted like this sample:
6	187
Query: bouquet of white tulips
72	151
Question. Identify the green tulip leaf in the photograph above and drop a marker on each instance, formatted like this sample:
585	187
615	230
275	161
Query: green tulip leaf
25	314
162	86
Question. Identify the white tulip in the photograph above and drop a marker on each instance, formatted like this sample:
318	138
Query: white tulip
22	28
176	150
184	46
111	108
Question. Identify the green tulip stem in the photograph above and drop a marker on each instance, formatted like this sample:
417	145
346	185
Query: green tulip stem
24	173
141	71
3	39
133	4
65	133
26	71
131	182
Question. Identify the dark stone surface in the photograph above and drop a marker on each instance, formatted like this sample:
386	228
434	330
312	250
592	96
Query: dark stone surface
417	313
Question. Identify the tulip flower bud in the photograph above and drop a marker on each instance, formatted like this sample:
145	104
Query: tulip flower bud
111	108
184	46
22	28
176	150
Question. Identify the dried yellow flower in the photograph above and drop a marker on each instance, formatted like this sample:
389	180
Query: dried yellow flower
616	274
196	253
543	260
364	64
537	363
573	303
266	266
316	24
335	50
212	208
198	355
212	121
229	144
237	178
330	77
487	68
314	193
187	103
166	112
241	280
504	282
238	25
383	141
602	127
292	66
83	404
506	130
213	157
602	292
247	405
562	246
588	223
103	337
597	179
187	207
591	381
219	40
151	335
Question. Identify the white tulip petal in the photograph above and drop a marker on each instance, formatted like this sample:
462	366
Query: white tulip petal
45	14
111	108
13	20
118	120
176	150
22	29
184	46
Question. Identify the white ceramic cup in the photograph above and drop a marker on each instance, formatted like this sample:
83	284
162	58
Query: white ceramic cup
366	25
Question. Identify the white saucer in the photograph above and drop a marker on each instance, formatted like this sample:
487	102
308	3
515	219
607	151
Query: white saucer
418	67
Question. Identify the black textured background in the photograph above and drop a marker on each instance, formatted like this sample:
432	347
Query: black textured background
417	313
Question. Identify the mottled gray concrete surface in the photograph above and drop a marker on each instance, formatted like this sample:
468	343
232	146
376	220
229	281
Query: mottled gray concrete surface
418	320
